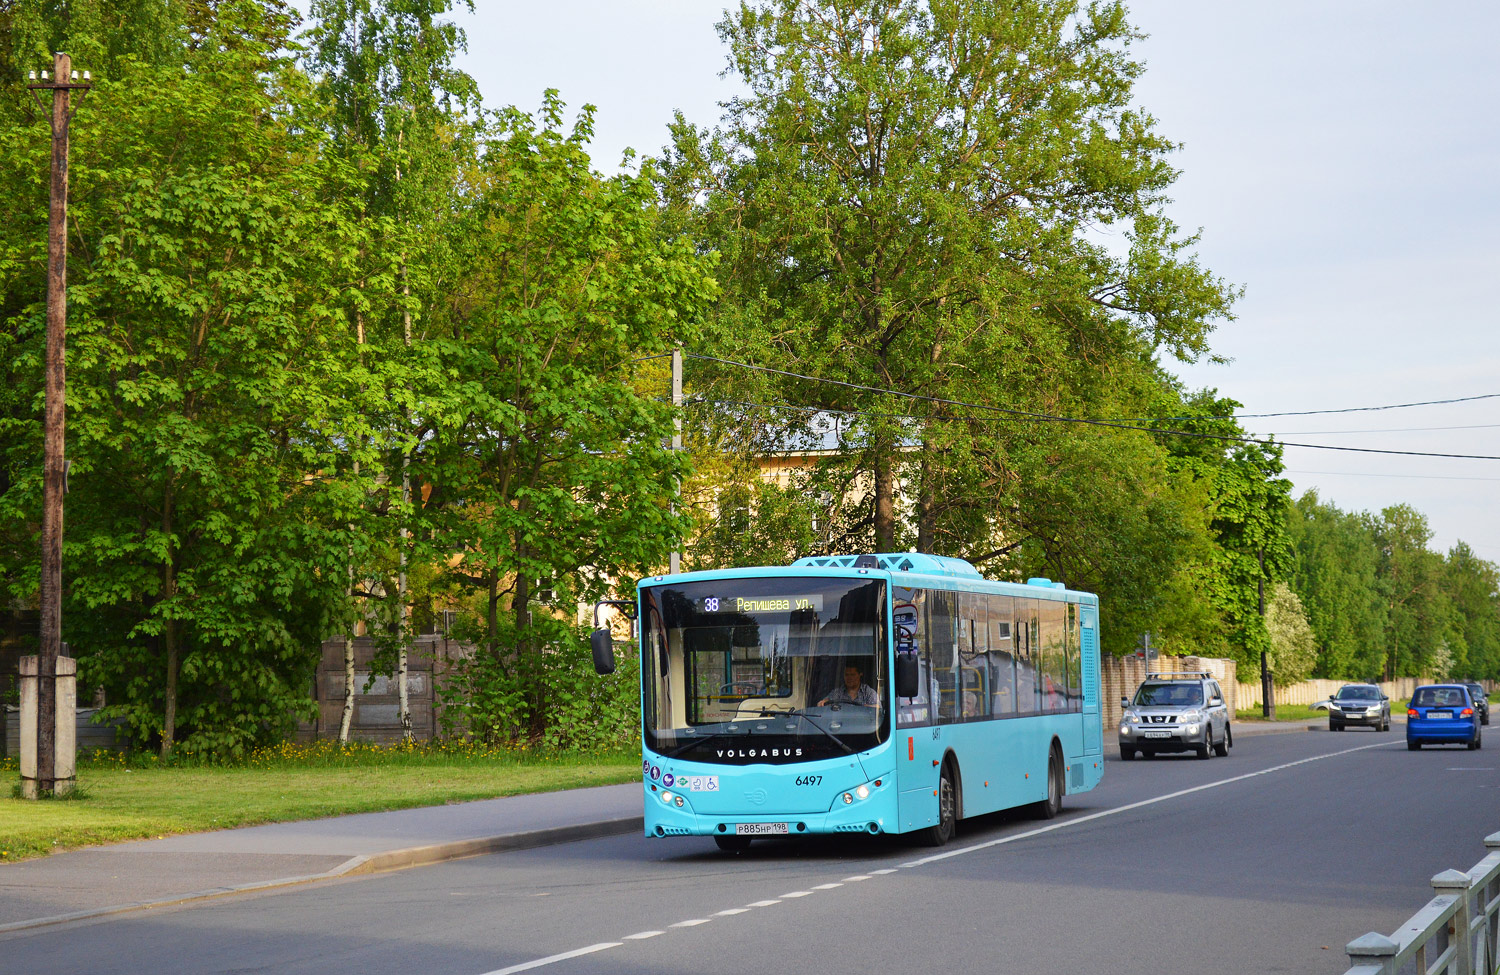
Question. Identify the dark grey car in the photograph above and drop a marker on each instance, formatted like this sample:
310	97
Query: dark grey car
1359	704
1481	699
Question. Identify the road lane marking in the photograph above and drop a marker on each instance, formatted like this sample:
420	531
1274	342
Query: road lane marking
554	959
565	956
1136	805
732	911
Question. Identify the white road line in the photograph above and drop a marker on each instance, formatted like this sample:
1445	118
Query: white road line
1136	805
857	878
554	959
732	911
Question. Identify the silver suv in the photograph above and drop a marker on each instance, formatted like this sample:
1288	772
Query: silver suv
1176	713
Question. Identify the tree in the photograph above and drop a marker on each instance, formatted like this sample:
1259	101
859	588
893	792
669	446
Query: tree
1410	576
205	538
1248	506
1334	572
547	467
1472	586
399	108
1293	650
906	200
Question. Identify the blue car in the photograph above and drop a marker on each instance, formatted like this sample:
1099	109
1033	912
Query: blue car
1442	713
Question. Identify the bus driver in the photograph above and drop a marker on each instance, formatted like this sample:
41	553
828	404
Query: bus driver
852	691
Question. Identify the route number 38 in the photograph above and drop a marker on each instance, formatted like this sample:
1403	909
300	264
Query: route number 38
809	780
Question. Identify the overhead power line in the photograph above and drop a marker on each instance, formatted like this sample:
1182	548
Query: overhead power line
1048	417
1045	416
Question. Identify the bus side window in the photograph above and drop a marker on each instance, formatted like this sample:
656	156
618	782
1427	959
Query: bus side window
1002	658
942	626
1026	656
973	657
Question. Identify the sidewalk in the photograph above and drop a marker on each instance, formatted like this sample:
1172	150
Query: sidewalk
121	877
153	873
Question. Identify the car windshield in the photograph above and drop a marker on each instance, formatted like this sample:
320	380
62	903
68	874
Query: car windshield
1438	697
1476	689
1359	693
1168	695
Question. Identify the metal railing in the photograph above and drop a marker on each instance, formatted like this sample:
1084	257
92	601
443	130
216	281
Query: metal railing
1457	933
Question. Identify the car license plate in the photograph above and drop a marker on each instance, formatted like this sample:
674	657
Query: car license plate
1440	714
1156	734
761	829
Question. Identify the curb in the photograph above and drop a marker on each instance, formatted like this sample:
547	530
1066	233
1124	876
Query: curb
415	856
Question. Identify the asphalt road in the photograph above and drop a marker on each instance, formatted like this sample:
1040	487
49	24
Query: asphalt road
1252	863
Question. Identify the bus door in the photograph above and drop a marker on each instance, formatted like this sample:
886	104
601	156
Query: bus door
1093	728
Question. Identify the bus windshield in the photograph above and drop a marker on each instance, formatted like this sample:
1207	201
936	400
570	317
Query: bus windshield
775	670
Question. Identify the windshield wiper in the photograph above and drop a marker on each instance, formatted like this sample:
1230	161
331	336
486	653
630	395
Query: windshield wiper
799	713
696	741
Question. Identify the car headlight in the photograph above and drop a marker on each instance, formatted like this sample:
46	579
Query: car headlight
1190	717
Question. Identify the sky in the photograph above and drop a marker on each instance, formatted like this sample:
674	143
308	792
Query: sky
1339	159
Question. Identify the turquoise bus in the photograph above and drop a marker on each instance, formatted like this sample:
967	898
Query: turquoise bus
872	694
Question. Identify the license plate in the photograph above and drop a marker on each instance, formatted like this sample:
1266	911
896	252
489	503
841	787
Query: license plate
1440	714
1156	734
761	829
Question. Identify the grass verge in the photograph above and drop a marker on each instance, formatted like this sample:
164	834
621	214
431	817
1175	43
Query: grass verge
128	801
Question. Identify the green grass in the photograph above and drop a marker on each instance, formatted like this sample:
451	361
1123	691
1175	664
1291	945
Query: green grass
1284	712
1301	712
140	798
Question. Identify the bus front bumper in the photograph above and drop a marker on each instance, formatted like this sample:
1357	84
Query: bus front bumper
875	813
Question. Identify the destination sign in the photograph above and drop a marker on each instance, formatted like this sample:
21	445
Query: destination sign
761	604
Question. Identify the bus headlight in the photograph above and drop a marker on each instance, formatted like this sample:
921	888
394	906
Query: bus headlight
848	797
863	792
667	797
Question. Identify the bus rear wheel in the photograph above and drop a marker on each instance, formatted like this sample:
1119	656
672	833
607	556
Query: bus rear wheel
947	823
732	844
1052	805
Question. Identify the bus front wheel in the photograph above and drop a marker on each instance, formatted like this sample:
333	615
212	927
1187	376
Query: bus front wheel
947	811
733	844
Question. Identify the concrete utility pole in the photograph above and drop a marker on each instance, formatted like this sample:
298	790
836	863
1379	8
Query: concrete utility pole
676	564
49	777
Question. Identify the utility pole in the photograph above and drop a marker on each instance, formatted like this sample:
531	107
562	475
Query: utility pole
1267	685
63	82
676	564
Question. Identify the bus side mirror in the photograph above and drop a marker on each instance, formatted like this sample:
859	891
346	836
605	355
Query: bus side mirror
604	651
906	675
